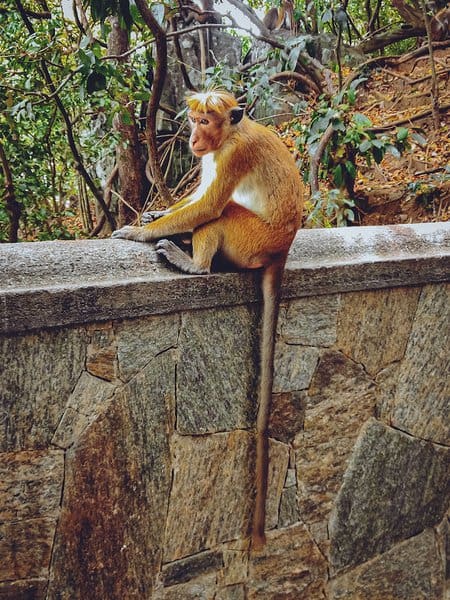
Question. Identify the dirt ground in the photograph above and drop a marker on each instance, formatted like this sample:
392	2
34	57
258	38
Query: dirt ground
416	187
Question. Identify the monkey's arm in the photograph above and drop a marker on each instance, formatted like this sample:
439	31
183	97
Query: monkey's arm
192	214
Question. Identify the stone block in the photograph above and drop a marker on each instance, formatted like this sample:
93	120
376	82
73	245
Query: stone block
210	499
139	341
340	400
278	465
201	588
109	537
374	326
394	487
89	398
30	484
289	566
235	563
25	548
422	398
101	359
310	321
411	570
27	589
287	415
191	567
231	592
38	372
218	370
294	367
289	513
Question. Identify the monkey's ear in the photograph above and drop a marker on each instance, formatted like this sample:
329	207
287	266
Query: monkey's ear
236	115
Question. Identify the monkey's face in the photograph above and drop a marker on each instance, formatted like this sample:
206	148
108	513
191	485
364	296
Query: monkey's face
208	132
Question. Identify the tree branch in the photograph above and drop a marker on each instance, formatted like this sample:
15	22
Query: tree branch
13	207
155	98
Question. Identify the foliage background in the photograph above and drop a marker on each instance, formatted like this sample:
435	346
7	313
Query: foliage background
76	133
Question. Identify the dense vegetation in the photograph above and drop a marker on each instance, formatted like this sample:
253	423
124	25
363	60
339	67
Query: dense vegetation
87	141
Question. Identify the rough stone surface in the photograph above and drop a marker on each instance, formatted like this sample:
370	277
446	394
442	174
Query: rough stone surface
101	359
289	513
189	568
28	589
232	592
201	588
290	566
109	537
422	398
235	563
87	401
30	484
25	548
409	571
294	367
340	399
394	487
278	464
38	372
142	418
59	283
287	415
373	327
218	370
310	321
139	341
211	491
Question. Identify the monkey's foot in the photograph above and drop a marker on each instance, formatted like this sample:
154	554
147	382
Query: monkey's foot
152	215
175	256
138	234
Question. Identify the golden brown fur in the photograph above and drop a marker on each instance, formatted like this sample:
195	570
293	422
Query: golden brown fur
247	208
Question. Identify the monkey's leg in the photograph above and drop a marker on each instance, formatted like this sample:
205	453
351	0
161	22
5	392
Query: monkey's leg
205	242
175	256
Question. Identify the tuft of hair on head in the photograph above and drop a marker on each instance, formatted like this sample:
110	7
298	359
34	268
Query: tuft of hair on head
218	101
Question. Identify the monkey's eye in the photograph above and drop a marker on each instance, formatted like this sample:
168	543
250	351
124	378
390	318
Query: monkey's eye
204	122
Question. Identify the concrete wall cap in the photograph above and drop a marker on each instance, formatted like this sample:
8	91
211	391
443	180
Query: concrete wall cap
62	282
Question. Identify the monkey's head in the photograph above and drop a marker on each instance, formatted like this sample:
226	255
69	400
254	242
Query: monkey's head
212	116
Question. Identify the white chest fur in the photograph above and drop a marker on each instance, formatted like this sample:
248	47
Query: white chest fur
209	173
249	195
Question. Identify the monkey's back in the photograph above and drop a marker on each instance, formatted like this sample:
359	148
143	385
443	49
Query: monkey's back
273	188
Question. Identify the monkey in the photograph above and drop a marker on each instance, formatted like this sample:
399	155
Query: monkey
270	19
440	24
247	209
276	18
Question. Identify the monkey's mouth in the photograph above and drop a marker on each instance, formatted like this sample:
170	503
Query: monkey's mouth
199	151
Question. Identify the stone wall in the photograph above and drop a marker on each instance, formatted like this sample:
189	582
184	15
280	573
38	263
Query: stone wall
127	403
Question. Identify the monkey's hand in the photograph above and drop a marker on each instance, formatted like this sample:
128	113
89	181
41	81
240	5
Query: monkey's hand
137	234
152	215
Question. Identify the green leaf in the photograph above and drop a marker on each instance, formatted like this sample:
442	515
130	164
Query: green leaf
338	176
365	146
393	150
351	169
419	139
402	134
361	120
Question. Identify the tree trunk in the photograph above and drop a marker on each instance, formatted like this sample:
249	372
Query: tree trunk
410	13
13	207
129	158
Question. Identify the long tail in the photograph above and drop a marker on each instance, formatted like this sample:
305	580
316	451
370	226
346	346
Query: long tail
271	284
